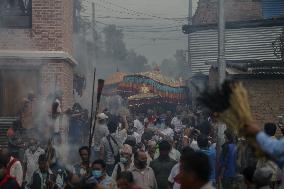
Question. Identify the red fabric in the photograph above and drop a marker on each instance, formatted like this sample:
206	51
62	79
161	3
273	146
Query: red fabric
5	179
152	119
10	164
178	178
10	132
135	187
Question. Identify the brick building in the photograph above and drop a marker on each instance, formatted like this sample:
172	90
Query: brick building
35	52
264	81
235	10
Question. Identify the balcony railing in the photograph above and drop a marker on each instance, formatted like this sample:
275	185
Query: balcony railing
15	13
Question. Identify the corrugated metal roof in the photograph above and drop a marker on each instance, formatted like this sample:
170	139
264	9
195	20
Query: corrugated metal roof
272	8
241	44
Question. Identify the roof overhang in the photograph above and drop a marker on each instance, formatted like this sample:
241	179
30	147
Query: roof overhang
252	69
38	55
239	24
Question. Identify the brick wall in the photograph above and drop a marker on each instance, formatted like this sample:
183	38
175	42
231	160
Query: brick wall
235	10
53	75
266	97
51	28
58	75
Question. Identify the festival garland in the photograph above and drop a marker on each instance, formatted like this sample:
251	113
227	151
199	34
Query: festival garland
157	85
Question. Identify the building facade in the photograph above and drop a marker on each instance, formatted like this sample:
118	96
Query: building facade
264	81
35	52
244	40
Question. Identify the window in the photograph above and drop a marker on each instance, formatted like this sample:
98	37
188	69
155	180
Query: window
15	13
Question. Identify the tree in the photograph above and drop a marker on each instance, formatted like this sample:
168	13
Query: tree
117	53
169	67
175	67
180	59
114	44
136	63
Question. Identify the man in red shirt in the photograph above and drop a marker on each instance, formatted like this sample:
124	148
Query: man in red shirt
6	180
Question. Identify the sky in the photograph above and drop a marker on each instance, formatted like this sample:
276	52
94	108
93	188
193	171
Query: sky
151	27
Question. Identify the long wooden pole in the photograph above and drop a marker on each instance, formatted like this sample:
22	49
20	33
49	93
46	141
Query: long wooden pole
99	94
92	109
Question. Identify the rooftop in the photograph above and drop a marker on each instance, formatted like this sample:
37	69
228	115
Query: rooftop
261	69
236	25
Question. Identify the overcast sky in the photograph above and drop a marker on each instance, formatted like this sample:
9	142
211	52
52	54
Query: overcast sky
151	27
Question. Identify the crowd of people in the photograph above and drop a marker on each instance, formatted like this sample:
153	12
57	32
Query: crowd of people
144	151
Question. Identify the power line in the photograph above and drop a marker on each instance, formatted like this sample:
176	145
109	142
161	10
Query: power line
161	29
139	13
131	18
155	26
113	10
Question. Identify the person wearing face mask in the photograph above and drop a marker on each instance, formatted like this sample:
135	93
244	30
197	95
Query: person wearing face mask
6	180
163	165
125	161
30	159
99	173
143	175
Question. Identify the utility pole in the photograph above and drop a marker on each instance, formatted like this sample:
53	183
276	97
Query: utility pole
221	43
221	71
189	20
94	34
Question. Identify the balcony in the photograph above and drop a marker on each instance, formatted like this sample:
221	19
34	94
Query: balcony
15	13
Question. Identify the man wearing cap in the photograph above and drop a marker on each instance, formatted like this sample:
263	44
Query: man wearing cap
101	131
125	163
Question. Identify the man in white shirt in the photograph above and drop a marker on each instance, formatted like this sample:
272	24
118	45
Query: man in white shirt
143	175
101	131
177	124
30	159
139	126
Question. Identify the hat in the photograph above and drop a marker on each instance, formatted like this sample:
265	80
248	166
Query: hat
127	149
102	116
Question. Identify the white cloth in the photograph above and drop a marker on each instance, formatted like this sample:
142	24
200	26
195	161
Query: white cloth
121	135
114	173
101	131
137	137
139	126
16	171
178	126
174	172
26	2
168	132
31	160
208	185
194	145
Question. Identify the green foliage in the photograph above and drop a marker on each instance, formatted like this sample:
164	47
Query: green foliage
176	66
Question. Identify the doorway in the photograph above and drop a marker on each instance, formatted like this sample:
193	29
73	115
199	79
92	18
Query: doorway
14	88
